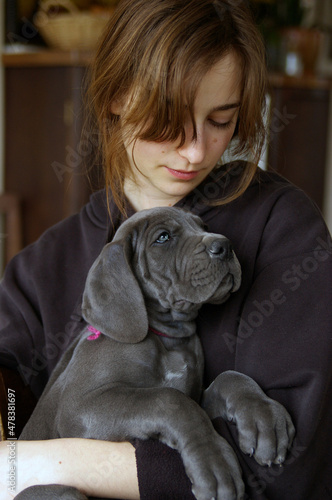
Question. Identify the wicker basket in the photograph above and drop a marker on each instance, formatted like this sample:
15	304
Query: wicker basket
71	30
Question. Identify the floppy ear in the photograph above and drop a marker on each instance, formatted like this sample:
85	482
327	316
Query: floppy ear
112	301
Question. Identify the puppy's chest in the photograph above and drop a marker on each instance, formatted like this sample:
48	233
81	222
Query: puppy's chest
181	371
147	364
181	367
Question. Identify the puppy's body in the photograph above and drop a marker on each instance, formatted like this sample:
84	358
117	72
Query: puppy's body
82	379
140	374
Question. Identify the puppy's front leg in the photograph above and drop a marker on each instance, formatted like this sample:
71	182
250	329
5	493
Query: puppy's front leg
265	428
125	413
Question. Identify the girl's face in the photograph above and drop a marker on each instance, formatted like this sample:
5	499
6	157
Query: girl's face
166	173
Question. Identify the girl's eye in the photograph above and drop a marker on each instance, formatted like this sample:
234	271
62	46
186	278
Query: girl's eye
163	237
221	125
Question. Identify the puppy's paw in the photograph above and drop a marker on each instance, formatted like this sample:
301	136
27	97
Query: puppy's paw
265	429
214	471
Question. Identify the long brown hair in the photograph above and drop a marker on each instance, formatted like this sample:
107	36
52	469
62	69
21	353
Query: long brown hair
153	57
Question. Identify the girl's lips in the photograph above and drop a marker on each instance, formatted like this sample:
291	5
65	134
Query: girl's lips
181	174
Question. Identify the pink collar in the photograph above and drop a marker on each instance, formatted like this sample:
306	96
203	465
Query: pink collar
152	330
96	333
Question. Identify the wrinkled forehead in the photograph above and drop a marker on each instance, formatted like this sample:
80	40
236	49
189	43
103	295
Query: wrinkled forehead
144	223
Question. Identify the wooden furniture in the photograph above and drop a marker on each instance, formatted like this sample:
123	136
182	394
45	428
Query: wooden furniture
45	155
12	230
299	132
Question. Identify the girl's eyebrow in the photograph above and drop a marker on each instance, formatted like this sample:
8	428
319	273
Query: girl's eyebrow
225	107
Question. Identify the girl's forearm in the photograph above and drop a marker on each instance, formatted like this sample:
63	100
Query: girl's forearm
97	468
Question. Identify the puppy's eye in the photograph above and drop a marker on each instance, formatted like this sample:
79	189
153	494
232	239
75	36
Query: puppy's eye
163	237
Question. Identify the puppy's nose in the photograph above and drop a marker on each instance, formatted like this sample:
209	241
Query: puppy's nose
221	248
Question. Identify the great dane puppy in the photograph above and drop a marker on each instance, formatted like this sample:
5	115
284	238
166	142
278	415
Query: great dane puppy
136	370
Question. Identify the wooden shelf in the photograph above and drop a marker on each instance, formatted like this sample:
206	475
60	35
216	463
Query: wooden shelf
45	58
48	57
304	82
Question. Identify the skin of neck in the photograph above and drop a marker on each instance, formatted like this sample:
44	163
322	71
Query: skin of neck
141	199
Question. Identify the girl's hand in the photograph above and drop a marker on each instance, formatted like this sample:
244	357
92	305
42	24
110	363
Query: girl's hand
97	468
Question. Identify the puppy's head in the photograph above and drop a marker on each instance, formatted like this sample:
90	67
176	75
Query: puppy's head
159	258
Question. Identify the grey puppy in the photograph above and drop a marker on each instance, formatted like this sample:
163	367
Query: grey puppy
133	382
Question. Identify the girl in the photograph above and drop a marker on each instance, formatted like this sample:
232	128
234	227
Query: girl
174	83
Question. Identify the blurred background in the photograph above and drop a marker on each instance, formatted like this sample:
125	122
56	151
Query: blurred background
46	47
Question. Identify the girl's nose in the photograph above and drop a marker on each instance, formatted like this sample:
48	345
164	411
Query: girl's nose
193	150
